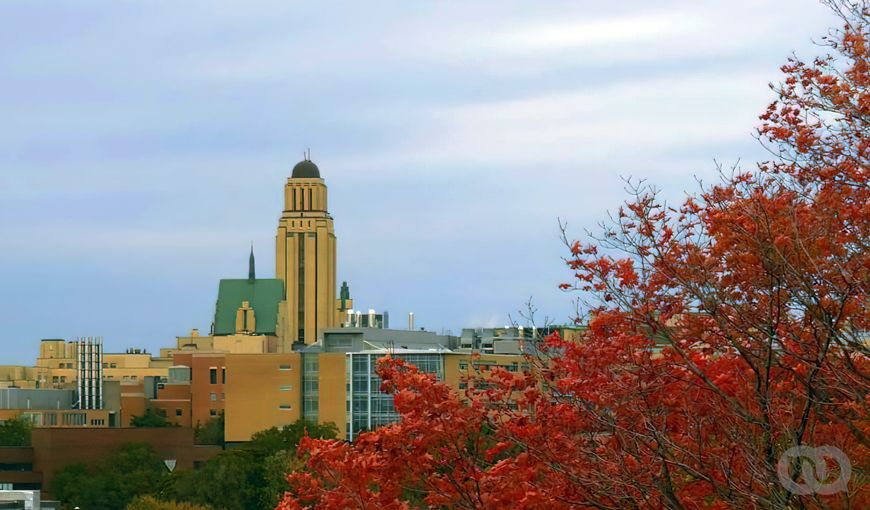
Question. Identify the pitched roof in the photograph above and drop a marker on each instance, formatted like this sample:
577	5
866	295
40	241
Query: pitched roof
263	295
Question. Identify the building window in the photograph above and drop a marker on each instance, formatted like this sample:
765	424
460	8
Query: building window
75	419
223	396
284	367
310	386
213	396
113	365
212	412
212	375
98	422
178	412
223	375
34	419
287	387
285	407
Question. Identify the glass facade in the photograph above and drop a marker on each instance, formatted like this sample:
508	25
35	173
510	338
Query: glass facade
310	386
367	406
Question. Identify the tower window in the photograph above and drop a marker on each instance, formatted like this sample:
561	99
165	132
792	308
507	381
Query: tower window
212	375
300	239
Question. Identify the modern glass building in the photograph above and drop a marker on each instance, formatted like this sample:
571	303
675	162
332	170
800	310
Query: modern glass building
367	406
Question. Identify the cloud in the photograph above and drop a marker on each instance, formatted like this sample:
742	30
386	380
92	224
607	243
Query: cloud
600	32
144	145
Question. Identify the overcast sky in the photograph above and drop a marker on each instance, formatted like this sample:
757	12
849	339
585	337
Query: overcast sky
144	145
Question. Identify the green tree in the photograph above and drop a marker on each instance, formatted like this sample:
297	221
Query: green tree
276	467
110	484
233	480
247	477
151	419
287	438
152	503
212	432
15	432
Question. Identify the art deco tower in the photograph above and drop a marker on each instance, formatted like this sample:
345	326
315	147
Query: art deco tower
305	257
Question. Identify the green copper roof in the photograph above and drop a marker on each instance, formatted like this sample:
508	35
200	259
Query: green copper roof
263	295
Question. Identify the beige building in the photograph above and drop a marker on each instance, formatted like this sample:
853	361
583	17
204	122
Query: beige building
305	253
57	365
262	391
275	352
236	343
272	315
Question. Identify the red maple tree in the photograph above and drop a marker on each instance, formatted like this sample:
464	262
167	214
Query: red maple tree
721	334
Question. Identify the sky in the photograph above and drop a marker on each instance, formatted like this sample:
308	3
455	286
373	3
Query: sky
144	145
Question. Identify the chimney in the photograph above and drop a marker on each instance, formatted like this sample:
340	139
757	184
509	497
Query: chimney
411	321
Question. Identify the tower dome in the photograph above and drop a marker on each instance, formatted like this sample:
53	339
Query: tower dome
306	169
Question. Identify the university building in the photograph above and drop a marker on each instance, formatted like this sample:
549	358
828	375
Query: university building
278	350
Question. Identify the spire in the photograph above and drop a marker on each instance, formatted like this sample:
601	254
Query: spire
251	274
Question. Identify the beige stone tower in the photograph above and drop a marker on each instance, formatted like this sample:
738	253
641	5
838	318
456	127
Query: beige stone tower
305	258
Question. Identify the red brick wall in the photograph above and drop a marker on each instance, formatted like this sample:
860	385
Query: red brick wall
54	448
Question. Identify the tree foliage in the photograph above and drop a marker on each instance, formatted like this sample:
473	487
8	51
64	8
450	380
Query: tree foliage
152	503
112	483
249	476
15	432
212	433
287	438
721	333
151	419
